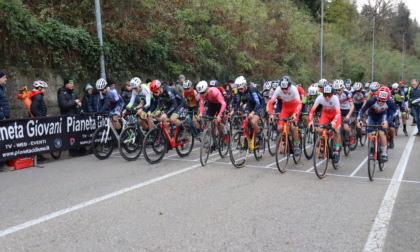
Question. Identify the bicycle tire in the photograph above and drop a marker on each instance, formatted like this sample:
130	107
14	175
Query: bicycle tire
206	146
282	153
296	159
184	141
224	147
345	143
155	145
259	152
272	139
331	145
239	149
321	157
380	162
131	143
102	148
353	134
362	137
371	159
308	141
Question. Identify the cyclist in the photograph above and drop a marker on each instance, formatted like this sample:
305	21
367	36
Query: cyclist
110	101
142	91
330	113
216	105
398	96
381	110
367	86
374	86
174	102
346	105
348	85
404	88
192	98
291	106
267	91
321	84
254	105
359	100
308	101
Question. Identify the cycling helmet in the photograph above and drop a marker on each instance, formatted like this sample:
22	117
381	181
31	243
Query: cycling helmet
201	87
338	84
357	86
187	84
383	94
267	85
285	82
316	85
402	82
240	82
101	84
155	86
312	90
348	82
395	86
374	86
328	89
40	83
275	84
135	82
213	83
367	85
322	83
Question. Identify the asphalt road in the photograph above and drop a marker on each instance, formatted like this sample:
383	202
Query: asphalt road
84	204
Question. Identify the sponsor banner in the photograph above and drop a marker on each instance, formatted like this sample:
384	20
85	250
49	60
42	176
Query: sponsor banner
31	136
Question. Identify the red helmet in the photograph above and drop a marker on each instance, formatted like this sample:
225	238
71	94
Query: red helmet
154	86
402	82
383	94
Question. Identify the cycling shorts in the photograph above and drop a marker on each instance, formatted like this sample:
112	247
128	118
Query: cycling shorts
288	111
213	109
326	118
375	120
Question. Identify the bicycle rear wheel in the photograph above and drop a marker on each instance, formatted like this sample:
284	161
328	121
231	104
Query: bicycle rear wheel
131	143
353	138
308	142
282	153
185	141
345	142
380	162
362	137
103	144
239	150
321	157
272	138
296	159
371	158
155	145
224	144
260	142
205	149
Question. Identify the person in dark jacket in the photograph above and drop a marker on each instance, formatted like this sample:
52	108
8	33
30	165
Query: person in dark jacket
90	100
38	107
68	100
126	92
4	112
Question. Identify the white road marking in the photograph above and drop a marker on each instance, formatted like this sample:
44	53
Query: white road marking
377	236
358	167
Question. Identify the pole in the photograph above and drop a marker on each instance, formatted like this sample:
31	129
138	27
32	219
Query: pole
101	43
322	35
402	58
373	48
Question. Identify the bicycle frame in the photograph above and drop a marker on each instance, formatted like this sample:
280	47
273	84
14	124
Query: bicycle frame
171	140
251	140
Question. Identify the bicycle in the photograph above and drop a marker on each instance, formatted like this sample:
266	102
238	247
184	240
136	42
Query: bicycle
105	137
131	139
190	122
374	151
244	141
159	141
212	141
284	147
309	138
323	150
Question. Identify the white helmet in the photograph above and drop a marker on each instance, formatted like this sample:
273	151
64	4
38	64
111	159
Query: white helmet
312	90
213	83
201	87
187	84
395	86
315	85
338	84
267	85
322	82
357	86
135	82
240	82
40	83
101	84
275	84
374	86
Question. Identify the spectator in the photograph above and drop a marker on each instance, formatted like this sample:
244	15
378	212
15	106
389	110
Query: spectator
38	107
179	86
414	103
126	92
90	100
69	104
4	112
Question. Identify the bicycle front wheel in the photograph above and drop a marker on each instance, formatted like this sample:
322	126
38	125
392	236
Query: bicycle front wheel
103	143
239	150
321	157
272	138
259	143
309	138
282	153
371	158
206	146
362	137
380	162
131	143
155	145
185	141
224	144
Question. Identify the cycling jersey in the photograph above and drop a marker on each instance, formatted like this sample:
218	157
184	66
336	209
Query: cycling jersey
345	98
398	96
174	103
192	97
330	110
254	99
110	101
214	96
359	97
383	112
144	94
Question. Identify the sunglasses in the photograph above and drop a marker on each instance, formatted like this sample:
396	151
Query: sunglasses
328	95
339	90
396	89
284	88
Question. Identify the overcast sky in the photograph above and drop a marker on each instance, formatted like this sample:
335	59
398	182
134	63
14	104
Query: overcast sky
413	6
